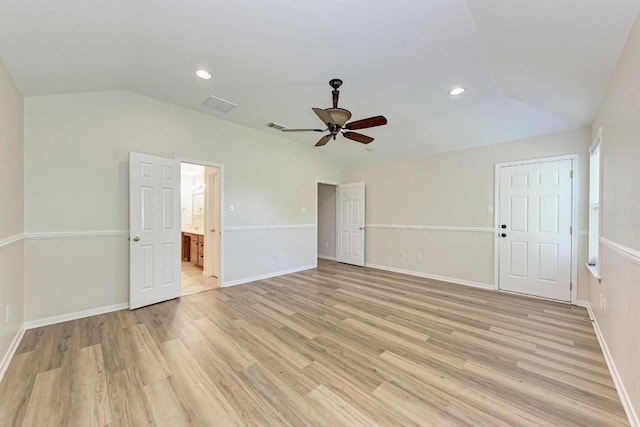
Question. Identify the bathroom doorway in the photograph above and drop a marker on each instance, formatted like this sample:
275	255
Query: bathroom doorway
200	199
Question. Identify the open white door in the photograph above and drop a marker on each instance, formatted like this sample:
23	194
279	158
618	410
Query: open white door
154	223
212	222
535	225
350	224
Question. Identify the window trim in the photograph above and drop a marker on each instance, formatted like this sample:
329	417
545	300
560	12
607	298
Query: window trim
594	241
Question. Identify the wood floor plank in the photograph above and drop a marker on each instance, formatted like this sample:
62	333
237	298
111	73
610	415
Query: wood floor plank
90	403
148	359
129	403
16	388
203	400
339	410
332	346
45	402
167	408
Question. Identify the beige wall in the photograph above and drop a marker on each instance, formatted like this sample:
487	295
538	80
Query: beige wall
76	179
620	207
11	209
327	220
453	190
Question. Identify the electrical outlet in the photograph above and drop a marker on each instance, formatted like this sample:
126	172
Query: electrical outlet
419	256
7	313
231	208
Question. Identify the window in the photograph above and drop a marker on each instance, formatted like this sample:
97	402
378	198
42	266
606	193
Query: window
594	200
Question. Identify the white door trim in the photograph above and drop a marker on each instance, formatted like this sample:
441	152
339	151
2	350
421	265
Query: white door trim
574	217
220	166
320	181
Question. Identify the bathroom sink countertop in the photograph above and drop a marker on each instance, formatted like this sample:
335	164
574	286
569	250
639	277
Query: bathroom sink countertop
192	230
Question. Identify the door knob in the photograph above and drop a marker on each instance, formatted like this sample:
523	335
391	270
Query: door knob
503	235
503	226
136	238
360	228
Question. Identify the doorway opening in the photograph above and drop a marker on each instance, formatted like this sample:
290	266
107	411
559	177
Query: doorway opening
326	220
200	221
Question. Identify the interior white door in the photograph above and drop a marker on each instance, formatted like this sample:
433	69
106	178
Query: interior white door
154	223
350	230
212	225
535	226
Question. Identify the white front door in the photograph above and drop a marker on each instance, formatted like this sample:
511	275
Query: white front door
154	227
350	224
534	229
212	222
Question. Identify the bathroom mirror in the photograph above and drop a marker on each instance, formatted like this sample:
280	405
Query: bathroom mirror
198	204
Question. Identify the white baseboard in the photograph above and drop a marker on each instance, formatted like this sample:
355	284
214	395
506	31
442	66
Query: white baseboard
582	303
73	316
432	276
634	421
6	360
330	258
267	276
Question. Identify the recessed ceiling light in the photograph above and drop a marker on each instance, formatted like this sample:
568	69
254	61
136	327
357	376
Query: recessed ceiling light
456	91
203	74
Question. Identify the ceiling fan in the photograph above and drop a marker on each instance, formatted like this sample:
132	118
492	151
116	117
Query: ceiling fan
336	121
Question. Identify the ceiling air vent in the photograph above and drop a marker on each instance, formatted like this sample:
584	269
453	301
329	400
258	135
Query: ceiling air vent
276	126
218	104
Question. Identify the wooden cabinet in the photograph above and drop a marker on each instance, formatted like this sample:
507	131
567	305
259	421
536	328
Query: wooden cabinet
193	248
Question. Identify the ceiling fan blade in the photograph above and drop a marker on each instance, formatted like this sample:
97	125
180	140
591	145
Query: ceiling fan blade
323	140
358	137
366	123
303	130
324	116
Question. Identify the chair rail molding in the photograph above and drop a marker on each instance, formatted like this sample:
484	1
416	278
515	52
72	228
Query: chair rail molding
268	227
432	227
624	251
74	234
6	241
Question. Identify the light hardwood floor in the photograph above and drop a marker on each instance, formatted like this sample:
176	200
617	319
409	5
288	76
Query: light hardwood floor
337	345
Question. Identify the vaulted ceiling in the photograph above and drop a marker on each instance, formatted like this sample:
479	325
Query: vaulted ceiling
529	67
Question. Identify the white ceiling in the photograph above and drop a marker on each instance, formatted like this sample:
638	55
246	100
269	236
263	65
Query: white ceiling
530	67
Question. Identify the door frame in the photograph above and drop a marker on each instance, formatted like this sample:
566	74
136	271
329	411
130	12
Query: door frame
220	166
317	182
574	218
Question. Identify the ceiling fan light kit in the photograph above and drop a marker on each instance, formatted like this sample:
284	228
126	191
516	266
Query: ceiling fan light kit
335	119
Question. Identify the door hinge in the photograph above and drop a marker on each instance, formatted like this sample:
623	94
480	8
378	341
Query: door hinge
571	230
570	286
571	174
